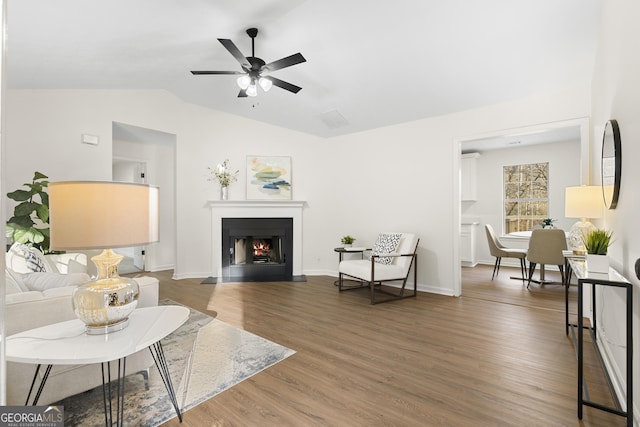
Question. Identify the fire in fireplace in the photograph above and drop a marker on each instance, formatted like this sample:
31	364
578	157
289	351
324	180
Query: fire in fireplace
257	249
262	251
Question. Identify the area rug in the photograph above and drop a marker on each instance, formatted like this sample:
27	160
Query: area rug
206	356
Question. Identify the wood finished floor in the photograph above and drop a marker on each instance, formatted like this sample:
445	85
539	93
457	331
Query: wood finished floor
497	356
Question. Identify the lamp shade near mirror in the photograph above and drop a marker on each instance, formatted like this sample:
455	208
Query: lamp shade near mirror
103	215
584	202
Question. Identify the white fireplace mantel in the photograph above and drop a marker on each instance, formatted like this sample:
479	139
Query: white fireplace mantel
255	209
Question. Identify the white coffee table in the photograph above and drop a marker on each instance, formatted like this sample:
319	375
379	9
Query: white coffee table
66	343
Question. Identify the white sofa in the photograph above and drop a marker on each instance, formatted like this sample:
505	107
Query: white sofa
40	298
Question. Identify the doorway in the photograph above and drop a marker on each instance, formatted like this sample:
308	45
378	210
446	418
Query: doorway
539	139
148	156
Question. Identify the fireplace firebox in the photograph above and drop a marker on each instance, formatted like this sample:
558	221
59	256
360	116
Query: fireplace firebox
257	249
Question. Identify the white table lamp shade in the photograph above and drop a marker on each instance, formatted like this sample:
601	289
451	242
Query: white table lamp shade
98	215
105	215
583	202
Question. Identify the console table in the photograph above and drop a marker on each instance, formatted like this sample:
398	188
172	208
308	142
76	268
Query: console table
66	343
612	279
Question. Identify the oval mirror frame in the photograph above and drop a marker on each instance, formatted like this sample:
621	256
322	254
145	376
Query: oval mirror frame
611	163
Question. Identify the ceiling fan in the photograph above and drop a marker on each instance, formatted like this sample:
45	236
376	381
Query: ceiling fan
255	70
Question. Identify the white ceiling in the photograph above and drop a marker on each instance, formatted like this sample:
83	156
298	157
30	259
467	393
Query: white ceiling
373	63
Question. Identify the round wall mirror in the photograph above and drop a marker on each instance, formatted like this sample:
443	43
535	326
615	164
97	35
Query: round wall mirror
611	163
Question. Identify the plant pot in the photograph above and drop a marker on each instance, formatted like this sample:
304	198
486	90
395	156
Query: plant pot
347	245
598	263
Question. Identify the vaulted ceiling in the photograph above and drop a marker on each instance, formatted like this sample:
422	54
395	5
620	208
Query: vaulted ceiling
369	63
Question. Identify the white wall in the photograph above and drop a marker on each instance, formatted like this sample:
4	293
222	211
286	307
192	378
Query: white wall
50	123
394	178
616	95
564	171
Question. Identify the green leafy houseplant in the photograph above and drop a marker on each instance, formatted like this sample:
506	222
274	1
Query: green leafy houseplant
548	222
30	221
597	242
348	240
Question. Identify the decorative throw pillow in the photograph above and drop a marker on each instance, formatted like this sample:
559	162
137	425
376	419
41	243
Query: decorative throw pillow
34	262
386	244
26	259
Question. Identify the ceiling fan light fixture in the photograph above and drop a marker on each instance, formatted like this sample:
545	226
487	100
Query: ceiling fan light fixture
244	81
252	90
265	84
253	66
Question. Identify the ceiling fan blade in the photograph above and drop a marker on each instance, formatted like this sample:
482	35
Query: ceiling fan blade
197	73
284	85
243	93
294	59
233	50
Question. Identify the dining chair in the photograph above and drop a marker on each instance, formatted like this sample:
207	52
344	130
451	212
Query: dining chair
545	248
500	251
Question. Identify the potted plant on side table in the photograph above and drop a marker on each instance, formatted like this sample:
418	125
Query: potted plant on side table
347	241
548	223
597	243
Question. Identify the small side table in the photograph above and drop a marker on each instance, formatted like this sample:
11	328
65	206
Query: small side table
66	343
352	250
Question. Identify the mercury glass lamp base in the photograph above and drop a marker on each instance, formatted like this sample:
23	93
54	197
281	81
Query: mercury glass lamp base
107	329
104	304
578	231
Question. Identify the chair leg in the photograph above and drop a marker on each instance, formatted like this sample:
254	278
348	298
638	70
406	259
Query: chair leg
523	270
372	290
532	269
496	267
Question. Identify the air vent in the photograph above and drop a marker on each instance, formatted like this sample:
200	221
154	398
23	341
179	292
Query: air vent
333	119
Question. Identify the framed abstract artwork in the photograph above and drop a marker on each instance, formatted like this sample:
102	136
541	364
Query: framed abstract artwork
268	177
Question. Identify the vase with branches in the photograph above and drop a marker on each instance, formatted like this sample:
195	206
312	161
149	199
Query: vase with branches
224	177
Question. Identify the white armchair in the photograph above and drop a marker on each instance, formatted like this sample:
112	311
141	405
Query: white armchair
391	260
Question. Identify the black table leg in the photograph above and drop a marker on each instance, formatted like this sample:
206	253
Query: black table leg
107	397
163	368
580	349
40	387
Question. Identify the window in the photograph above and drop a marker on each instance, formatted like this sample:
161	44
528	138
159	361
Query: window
526	196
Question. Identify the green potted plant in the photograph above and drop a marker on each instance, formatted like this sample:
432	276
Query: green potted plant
597	243
347	240
548	223
30	221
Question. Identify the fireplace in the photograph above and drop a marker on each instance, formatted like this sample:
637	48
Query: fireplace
257	249
223	209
